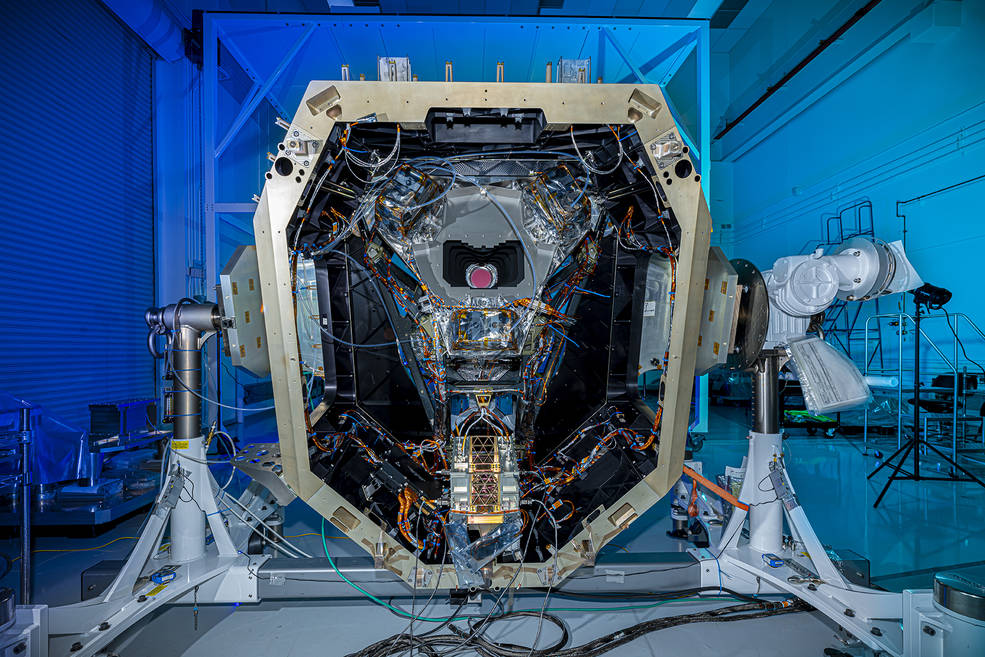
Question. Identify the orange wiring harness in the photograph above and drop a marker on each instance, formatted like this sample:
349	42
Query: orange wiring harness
407	497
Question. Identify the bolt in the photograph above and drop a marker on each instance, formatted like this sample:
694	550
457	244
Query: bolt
296	133
812	587
850	613
876	631
858	280
856	253
929	631
142	598
77	646
19	648
103	626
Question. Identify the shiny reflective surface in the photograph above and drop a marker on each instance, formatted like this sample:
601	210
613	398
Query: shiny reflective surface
920	527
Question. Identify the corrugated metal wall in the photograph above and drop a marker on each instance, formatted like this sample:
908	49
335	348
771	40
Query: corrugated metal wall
76	207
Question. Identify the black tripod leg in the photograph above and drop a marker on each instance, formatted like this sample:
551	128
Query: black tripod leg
952	462
886	462
896	469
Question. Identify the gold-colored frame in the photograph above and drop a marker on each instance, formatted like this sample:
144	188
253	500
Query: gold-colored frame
407	103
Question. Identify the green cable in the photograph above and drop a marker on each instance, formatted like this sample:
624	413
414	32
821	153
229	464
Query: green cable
403	613
372	597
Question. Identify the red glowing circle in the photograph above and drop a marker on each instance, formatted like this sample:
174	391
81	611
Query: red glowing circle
480	277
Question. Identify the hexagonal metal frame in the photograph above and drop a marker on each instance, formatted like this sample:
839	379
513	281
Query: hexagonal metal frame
327	102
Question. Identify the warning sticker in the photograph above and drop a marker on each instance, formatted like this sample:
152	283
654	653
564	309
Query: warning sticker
157	589
179	444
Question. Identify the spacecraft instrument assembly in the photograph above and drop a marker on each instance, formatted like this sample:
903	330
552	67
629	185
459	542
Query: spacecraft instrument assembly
461	285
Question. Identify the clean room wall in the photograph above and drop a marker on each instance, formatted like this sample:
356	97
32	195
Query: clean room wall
909	122
77	245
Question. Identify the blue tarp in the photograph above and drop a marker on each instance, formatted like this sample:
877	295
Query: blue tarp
60	452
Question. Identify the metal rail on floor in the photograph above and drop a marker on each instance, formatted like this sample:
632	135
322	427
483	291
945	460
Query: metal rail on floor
316	578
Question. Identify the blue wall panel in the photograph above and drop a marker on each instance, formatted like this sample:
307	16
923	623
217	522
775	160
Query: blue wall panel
909	121
76	253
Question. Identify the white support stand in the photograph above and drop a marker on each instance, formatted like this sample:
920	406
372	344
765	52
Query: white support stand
84	628
876	618
192	569
765	513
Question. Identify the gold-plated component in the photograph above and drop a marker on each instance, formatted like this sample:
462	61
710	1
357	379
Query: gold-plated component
484	487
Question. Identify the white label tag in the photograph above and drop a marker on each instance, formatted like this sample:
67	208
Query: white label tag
649	308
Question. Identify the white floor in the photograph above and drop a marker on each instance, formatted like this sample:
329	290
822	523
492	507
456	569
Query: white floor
330	631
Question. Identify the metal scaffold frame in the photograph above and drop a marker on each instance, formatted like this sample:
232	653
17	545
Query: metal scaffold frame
673	41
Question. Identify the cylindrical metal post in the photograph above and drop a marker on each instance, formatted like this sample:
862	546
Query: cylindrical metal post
954	394
865	372
26	437
899	373
916	396
187	518
765	511
187	366
765	400
186	321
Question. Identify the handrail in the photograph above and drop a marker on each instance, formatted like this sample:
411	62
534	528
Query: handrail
902	316
966	319
902	319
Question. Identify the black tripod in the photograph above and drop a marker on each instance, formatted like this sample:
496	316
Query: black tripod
914	443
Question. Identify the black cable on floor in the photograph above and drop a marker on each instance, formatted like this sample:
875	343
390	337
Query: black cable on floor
474	640
655	596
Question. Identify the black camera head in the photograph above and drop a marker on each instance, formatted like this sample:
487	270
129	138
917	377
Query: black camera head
931	296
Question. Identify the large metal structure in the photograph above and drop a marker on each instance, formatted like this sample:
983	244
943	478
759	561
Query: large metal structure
487	177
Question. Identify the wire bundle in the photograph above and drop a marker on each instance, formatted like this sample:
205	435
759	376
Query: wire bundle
473	639
417	183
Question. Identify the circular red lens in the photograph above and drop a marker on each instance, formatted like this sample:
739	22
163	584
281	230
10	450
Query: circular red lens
480	277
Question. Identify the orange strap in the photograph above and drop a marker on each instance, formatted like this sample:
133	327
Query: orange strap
692	505
716	489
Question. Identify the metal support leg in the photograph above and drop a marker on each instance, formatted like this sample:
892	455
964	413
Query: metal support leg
25	440
872	616
187	518
766	514
896	470
766	447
